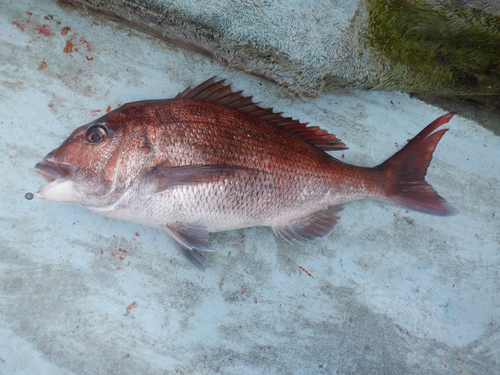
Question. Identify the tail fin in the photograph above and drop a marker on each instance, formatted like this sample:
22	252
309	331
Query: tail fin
407	169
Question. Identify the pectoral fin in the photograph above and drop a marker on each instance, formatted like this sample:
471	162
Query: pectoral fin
189	239
164	178
312	227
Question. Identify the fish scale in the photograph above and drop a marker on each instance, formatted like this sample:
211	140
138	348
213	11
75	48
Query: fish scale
212	160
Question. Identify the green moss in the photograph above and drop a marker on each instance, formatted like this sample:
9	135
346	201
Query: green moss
438	47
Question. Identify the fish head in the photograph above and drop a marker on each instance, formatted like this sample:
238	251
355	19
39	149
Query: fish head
96	164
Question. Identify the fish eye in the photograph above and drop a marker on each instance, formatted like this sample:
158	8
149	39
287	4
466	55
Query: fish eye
95	134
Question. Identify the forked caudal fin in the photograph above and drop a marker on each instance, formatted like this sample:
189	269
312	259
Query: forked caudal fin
407	169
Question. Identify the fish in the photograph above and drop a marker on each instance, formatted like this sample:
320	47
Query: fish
211	160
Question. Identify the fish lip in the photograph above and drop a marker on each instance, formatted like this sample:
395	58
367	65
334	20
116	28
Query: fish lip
51	170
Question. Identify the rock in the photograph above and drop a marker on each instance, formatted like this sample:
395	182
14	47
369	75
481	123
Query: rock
420	46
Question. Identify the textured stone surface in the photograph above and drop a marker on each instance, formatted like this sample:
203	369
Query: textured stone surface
421	46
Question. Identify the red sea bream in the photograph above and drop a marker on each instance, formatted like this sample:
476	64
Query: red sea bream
211	160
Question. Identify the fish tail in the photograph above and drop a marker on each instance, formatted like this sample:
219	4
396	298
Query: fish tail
406	172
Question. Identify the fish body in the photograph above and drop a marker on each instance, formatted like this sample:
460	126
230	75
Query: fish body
211	160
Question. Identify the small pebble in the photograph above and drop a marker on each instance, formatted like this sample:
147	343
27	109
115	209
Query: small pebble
29	196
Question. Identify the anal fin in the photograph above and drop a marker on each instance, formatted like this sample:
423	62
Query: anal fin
190	239
312	227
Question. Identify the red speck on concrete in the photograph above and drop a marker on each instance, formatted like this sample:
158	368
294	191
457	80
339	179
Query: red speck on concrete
88	58
305	271
137	234
107	111
118	268
102	252
133	305
45	30
122	251
94	113
29	13
122	258
51	105
89	46
18	25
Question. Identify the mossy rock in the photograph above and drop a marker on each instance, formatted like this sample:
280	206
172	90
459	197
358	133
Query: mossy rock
441	47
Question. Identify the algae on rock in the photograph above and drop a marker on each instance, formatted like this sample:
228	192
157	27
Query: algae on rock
424	46
442	47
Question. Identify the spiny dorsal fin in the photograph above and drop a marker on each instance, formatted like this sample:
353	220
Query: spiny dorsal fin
219	94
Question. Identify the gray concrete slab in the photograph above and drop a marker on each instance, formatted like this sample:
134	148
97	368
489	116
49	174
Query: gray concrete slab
389	291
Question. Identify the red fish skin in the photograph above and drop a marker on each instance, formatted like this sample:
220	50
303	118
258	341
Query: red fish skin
191	167
295	175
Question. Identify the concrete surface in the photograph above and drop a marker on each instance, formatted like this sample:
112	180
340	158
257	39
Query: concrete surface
388	292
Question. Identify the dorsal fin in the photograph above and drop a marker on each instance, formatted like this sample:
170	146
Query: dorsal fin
219	94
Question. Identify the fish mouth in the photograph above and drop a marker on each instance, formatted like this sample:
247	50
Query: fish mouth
52	171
